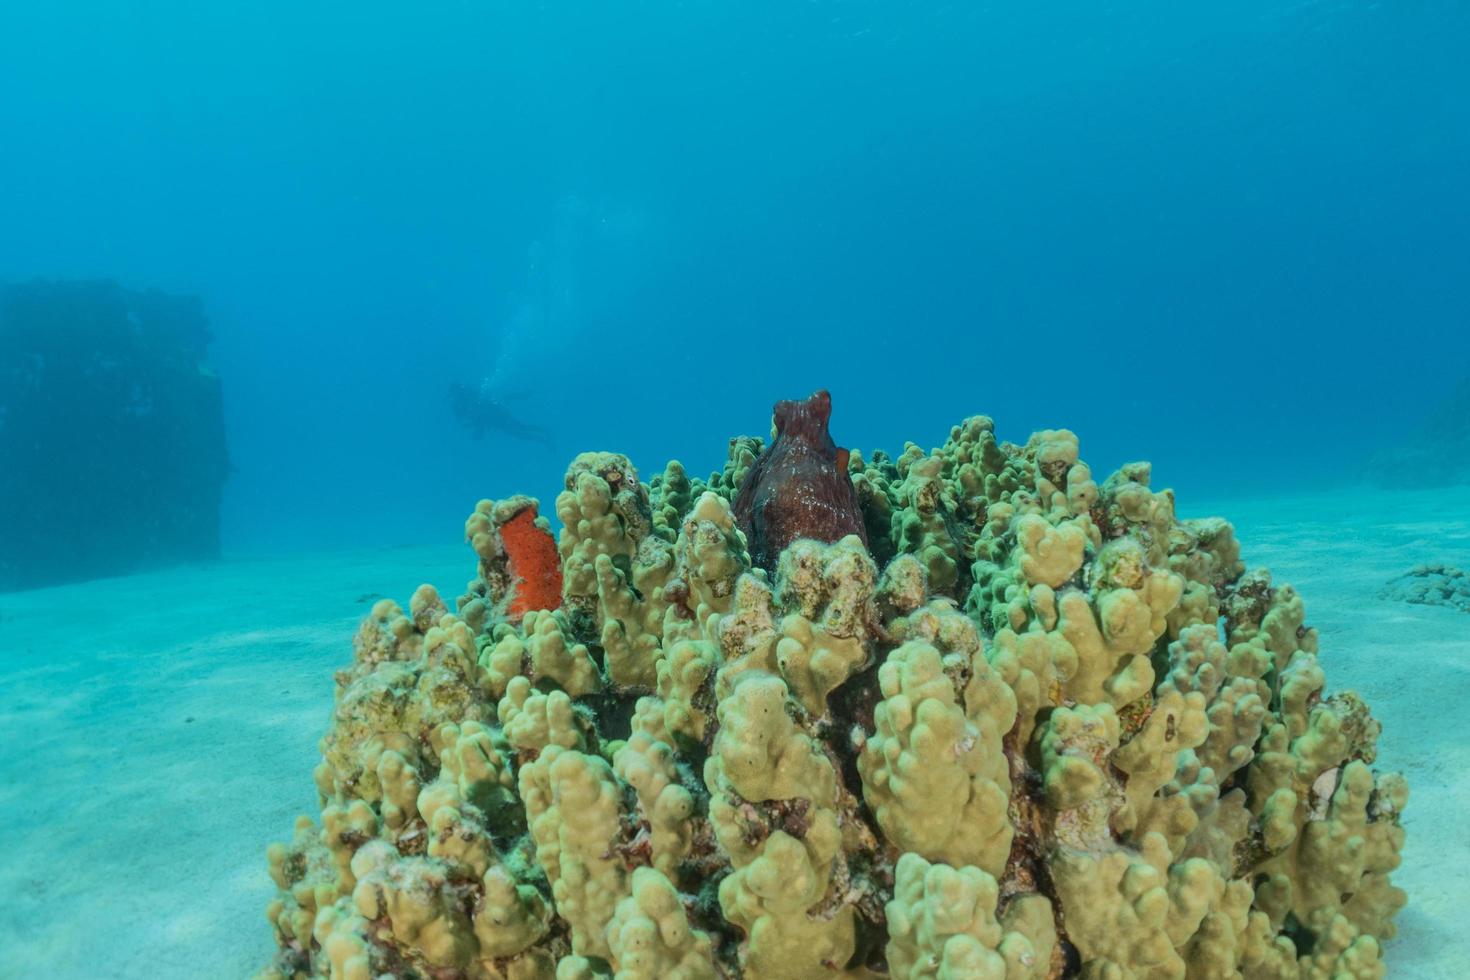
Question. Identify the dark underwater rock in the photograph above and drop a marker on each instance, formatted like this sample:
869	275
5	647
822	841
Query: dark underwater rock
111	433
1432	585
799	487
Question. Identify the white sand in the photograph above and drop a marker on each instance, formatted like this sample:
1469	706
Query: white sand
159	731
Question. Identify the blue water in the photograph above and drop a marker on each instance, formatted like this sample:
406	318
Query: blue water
1231	238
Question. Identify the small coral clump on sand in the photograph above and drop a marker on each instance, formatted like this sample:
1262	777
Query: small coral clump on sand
1036	726
1432	585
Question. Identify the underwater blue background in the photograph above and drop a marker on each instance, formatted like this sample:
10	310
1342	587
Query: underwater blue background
1232	238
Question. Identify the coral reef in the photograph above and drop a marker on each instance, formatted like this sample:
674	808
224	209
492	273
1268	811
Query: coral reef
1038	727
1432	585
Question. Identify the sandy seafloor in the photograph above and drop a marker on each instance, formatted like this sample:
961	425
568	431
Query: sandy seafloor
158	731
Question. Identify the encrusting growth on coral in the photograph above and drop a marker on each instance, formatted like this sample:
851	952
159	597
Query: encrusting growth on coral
956	714
518	559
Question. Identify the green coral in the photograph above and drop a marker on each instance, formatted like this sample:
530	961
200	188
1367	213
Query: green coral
942	925
937	782
572	802
650	937
1040	727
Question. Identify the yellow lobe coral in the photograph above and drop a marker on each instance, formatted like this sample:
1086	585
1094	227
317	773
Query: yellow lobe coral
1042	727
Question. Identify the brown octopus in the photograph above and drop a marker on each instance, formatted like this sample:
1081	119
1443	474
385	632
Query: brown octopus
798	487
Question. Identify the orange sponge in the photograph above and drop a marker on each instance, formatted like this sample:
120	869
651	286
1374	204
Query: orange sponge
533	564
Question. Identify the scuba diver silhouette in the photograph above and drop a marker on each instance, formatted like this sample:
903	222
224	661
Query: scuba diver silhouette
480	412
